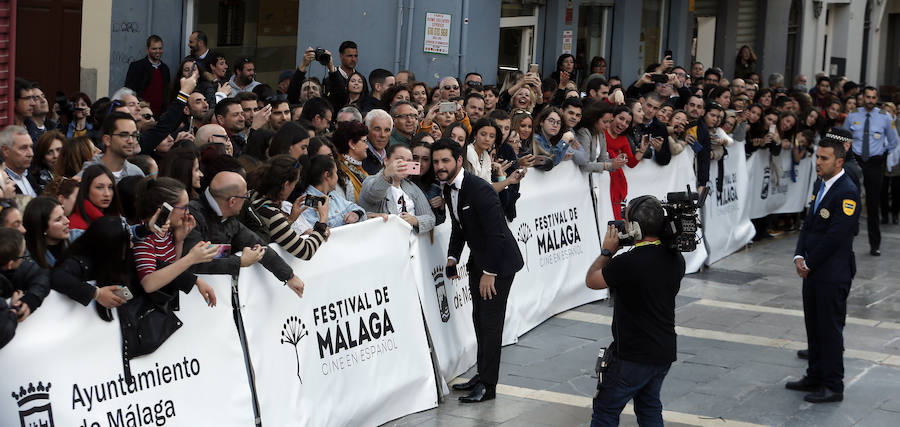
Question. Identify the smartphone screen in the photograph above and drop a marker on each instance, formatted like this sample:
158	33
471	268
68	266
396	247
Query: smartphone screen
448	107
224	251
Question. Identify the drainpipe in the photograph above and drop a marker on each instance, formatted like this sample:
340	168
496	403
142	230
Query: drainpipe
409	33
463	38
150	18
397	36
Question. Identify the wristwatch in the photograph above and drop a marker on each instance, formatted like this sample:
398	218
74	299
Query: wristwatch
606	252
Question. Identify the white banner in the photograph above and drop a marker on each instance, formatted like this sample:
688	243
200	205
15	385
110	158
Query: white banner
353	350
447	303
64	368
726	220
771	188
648	177
557	235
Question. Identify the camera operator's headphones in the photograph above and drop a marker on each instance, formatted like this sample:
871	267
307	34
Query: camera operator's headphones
634	229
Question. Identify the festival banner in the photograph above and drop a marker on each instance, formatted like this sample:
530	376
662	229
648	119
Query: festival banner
648	177
447	303
353	350
557	235
772	188
726	221
64	368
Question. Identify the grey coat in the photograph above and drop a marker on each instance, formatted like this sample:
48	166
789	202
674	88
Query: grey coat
597	160
374	198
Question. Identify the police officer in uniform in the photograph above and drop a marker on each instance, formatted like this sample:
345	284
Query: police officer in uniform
873	138
824	259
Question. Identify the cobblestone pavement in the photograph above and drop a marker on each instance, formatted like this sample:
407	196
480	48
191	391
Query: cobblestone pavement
739	325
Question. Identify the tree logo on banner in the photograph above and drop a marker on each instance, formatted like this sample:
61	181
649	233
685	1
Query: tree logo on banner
440	290
291	333
524	235
34	405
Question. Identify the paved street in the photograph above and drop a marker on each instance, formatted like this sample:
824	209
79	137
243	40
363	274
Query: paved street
739	324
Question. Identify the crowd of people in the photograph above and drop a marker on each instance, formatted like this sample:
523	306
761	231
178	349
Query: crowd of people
173	175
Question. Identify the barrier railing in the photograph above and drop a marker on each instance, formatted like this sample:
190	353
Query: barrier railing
353	350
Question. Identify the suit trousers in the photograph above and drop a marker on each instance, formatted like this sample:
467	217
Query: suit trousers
824	311
488	317
873	177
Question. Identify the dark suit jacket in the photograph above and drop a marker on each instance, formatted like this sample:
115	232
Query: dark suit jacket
826	239
479	222
141	71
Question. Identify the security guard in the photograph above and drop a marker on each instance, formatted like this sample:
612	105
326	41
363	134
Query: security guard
873	138
824	259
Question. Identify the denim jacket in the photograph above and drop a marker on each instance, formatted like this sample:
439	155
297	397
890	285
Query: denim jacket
338	207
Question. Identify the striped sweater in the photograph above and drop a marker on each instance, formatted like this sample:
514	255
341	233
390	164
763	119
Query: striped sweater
277	226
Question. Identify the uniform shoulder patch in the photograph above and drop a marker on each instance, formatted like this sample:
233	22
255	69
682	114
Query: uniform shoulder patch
849	207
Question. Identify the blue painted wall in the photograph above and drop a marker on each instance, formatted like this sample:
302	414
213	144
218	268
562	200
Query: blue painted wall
373	25
132	22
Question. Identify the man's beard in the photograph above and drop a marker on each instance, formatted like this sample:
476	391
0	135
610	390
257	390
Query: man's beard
245	80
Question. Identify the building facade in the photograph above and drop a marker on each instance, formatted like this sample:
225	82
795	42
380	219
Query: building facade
94	40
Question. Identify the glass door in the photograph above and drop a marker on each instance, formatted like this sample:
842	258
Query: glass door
517	26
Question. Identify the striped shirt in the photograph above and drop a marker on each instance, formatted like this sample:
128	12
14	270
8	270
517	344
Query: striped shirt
279	228
151	249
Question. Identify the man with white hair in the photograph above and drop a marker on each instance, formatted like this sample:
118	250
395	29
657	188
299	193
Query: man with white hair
449	88
349	114
380	126
17	149
128	97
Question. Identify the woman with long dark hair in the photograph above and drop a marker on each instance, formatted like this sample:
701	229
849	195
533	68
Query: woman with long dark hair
97	197
46	230
291	139
270	186
321	180
618	147
549	147
183	165
46	155
744	63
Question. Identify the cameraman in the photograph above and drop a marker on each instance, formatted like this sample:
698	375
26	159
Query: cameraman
643	326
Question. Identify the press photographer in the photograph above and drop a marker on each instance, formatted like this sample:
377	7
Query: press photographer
643	327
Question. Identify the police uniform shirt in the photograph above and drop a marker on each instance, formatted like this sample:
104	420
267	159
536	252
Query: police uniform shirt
882	135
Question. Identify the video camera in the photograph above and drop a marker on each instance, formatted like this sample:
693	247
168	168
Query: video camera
681	221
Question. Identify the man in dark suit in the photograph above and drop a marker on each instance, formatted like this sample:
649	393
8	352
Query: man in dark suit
494	259
824	259
149	77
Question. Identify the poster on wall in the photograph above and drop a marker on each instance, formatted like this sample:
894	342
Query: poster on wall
437	33
567	41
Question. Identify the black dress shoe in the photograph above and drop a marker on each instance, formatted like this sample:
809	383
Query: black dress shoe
824	395
468	385
803	354
479	394
875	252
804	384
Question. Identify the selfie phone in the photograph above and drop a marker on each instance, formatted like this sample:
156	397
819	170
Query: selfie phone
223	251
451	271
533	68
124	293
191	124
448	107
163	216
413	168
668	54
772	129
659	78
313	201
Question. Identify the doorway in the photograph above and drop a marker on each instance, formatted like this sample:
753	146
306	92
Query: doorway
517	48
48	45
